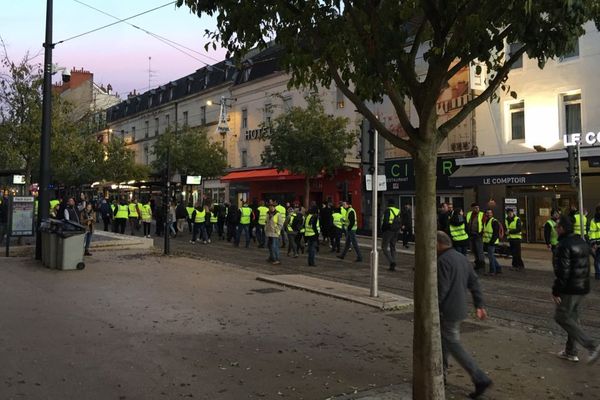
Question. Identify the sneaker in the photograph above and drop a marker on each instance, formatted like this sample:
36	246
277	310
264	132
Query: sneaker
340	257
563	354
204	242
594	355
276	262
392	267
208	240
192	241
480	389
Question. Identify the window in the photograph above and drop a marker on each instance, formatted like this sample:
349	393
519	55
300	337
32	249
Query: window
517	120
203	115
246	74
244	158
188	87
149	101
156	126
185	118
170	94
268	113
168	120
572	110
146	129
133	133
573	53
244	118
146	155
513	48
339	98
287	103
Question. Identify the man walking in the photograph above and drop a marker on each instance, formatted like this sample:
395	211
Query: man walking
455	277
491	238
514	227
262	211
273	227
106	213
134	216
458	231
351	227
550	234
389	228
572	283
406	221
244	226
475	230
311	233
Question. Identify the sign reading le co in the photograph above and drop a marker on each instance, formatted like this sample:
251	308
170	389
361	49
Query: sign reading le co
590	138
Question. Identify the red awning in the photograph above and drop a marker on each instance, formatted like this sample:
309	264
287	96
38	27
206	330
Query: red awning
269	174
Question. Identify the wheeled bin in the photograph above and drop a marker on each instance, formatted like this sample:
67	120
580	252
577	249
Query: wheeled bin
70	245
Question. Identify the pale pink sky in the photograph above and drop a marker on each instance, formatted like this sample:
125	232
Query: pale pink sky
119	54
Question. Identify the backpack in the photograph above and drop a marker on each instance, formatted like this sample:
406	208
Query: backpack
396	224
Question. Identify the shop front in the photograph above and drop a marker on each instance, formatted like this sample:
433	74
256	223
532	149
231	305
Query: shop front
531	184
257	184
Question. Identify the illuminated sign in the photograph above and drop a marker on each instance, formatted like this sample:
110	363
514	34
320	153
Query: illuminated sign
589	138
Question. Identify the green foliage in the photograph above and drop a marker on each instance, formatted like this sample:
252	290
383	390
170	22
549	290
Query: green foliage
307	141
118	163
191	153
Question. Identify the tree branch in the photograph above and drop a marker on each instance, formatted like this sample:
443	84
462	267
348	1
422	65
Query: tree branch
452	123
368	114
417	41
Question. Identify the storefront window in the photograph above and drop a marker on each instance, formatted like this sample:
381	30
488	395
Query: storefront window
572	104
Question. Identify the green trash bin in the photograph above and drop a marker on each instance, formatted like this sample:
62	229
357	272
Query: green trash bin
70	246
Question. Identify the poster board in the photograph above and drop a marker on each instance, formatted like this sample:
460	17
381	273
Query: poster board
21	216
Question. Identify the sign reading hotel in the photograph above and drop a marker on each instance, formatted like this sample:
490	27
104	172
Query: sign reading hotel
589	138
256	134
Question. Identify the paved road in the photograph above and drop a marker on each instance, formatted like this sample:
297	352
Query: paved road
513	297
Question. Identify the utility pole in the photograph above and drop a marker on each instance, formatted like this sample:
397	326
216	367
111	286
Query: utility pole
44	195
580	192
374	193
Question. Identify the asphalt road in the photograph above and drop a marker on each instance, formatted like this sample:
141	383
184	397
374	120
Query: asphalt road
511	298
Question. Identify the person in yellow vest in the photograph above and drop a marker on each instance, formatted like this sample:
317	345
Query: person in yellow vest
475	232
273	227
491	238
199	218
576	217
390	227
458	231
245	219
343	212
134	216
311	234
514	235
550	233
121	216
281	210
337	219
351	227
291	227
146	214
189	209
261	221
211	220
594	239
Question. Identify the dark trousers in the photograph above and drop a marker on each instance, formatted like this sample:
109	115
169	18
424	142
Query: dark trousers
220	226
351	241
336	237
231	232
515	251
388	245
260	235
147	226
199	231
451	346
245	228
405	237
106	220
292	244
313	241
120	224
567	316
477	249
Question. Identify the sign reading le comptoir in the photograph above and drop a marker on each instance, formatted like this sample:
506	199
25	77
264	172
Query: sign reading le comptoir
590	138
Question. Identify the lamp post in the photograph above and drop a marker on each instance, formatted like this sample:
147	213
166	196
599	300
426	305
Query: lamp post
44	198
167	195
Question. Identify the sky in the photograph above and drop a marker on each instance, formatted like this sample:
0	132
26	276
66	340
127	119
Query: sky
118	54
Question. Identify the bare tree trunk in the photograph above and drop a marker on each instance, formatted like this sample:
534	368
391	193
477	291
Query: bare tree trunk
428	381
306	192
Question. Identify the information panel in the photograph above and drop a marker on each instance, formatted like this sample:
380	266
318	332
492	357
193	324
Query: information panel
21	216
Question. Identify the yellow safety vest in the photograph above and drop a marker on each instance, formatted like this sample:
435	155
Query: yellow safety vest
513	225
200	216
458	233
214	217
308	229
54	203
113	207
246	215
280	209
344	213
190	211
338	220
146	212
122	211
553	233
594	233
577	224
346	220
262	215
276	221
488	231
479	220
291	222
133	210
394	212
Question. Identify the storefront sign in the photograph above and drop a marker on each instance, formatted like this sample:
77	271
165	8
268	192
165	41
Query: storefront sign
589	138
256	134
515	179
400	174
510	201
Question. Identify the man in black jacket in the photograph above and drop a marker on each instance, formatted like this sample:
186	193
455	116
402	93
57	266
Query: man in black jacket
572	283
389	233
406	221
455	278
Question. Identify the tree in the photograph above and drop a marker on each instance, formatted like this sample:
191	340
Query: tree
369	50
308	142
118	163
191	153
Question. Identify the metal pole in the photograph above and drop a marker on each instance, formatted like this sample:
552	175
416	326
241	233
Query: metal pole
167	247
374	219
44	182
580	194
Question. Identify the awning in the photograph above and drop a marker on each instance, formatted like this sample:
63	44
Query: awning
268	174
519	173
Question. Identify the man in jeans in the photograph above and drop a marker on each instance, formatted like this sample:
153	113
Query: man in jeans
455	277
572	283
389	229
491	238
